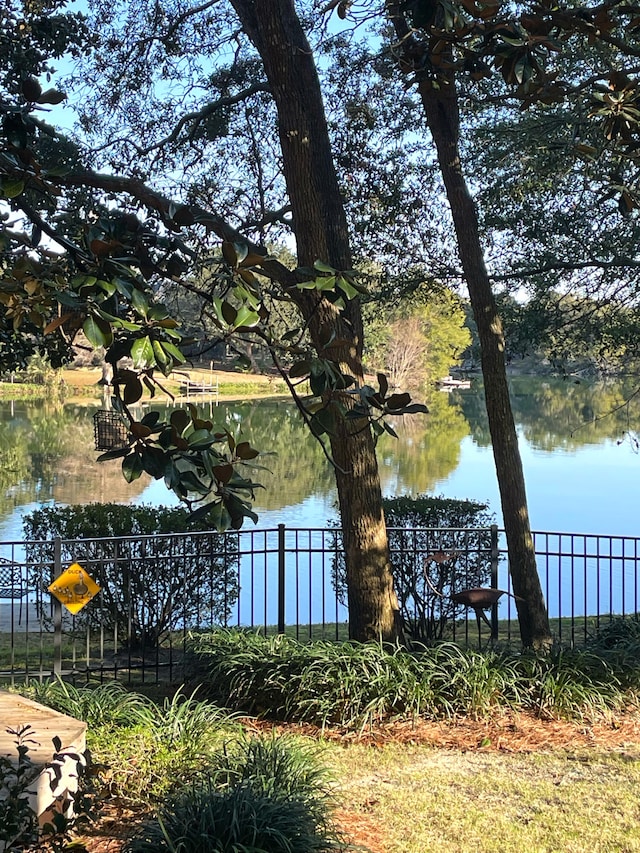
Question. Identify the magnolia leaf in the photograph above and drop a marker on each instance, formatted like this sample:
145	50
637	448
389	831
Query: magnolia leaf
142	353
31	89
55	323
52	96
132	467
229	253
98	332
244	451
398	401
132	390
12	189
223	473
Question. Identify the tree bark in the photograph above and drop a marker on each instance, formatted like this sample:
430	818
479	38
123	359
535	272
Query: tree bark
321	232
441	108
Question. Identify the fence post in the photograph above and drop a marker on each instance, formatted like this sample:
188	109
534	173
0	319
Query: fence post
281	578
57	609
495	556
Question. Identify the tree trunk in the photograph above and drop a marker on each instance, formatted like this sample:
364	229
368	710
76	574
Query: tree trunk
321	231
441	110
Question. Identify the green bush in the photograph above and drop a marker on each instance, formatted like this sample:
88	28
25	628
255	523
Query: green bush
205	820
353	685
263	795
97	705
436	546
154	578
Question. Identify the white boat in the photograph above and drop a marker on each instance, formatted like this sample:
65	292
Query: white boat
447	383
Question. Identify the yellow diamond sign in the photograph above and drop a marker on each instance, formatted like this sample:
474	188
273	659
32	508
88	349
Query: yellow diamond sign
74	588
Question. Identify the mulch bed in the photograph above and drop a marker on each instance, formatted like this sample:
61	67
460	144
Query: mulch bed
507	733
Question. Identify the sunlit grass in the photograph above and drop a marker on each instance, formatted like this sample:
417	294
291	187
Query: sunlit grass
425	799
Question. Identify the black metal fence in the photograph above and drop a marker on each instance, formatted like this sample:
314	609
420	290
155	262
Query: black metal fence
156	589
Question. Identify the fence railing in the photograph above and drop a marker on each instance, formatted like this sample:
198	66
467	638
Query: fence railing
156	589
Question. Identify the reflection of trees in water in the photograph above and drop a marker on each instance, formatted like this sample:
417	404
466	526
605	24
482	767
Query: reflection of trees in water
427	449
46	451
296	465
561	414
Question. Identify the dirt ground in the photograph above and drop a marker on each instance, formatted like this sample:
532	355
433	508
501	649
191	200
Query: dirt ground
508	733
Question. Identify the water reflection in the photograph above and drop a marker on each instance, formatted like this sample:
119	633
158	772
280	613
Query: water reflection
46	450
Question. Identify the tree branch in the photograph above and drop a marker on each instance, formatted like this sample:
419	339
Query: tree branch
570	266
208	109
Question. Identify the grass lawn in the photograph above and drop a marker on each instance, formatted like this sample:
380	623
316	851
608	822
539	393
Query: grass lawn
398	794
418	798
82	382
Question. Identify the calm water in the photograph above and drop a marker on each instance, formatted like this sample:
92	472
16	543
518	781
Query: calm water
582	476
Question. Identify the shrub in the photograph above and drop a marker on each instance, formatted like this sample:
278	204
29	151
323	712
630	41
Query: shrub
264	795
97	705
151	580
205	820
436	546
353	684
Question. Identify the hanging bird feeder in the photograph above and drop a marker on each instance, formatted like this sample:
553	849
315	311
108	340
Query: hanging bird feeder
109	430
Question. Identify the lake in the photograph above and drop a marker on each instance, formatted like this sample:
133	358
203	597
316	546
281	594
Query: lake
581	465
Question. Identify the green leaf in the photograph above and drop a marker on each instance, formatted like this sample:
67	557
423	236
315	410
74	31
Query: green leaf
299	369
346	287
160	355
142	353
388	428
174	352
12	189
219	516
116	453
132	467
140	302
246	317
98	332
151	419
322	267
200	439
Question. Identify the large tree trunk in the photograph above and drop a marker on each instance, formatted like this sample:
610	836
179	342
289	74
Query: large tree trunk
321	232
442	113
441	110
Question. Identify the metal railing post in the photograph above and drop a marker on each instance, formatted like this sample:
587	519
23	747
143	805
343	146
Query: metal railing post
57	609
281	577
495	555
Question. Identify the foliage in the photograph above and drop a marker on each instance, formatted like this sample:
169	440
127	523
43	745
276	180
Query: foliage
269	793
40	372
150	577
437	546
208	821
19	823
278	767
106	704
143	748
418	341
105	289
354	685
